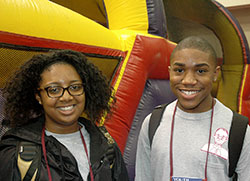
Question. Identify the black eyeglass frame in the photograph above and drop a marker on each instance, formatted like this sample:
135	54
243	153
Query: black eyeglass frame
63	90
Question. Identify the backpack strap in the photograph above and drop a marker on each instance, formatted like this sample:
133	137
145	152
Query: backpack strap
111	142
236	138
28	159
155	120
236	135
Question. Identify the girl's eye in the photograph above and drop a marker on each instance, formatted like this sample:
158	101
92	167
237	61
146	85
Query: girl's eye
76	87
54	90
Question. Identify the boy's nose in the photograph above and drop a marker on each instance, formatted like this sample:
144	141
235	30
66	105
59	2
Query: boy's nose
189	78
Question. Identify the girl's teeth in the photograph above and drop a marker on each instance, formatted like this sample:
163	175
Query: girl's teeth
66	108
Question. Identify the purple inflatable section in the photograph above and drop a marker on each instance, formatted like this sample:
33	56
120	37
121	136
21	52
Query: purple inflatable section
156	92
156	18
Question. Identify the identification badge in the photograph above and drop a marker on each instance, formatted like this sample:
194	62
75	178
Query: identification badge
185	179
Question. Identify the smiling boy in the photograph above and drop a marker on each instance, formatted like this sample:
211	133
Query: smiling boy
181	146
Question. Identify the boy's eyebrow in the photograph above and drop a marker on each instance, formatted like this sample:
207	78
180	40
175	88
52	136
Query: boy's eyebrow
179	64
201	65
197	65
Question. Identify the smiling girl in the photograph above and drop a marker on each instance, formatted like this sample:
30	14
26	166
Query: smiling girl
45	99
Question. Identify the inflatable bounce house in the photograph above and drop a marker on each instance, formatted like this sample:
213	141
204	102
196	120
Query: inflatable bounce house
131	42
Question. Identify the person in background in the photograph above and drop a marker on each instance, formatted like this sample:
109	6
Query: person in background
180	148
45	99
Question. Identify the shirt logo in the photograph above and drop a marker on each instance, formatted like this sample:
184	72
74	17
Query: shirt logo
220	137
185	179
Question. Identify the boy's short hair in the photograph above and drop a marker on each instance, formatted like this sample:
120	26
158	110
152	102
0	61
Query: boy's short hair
198	43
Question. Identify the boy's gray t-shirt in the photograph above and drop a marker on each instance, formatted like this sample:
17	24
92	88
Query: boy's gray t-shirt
190	145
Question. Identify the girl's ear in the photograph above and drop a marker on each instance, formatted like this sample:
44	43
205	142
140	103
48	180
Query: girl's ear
38	98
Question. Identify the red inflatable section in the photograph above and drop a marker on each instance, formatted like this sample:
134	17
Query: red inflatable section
149	59
244	96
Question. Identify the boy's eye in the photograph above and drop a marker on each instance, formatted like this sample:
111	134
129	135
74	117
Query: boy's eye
178	70
200	71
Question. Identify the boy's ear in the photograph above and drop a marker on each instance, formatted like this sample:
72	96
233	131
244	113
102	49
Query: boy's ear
169	68
216	73
38	98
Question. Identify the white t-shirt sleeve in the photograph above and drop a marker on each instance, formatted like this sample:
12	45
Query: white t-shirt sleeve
143	165
243	166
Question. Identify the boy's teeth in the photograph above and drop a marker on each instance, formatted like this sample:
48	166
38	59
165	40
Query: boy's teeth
66	108
189	92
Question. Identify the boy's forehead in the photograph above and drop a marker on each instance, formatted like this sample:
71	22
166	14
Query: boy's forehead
182	55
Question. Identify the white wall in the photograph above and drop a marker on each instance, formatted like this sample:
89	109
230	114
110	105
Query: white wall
230	3
243	17
241	11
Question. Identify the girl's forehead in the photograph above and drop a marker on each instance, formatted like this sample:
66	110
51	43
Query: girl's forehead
48	67
60	73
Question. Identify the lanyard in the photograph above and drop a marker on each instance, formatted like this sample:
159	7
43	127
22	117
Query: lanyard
86	151
171	141
45	155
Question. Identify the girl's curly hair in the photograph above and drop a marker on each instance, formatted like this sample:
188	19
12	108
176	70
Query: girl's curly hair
19	92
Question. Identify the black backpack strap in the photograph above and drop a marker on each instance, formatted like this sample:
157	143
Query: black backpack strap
235	142
29	158
154	121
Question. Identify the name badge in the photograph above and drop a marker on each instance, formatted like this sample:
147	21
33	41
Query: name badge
185	179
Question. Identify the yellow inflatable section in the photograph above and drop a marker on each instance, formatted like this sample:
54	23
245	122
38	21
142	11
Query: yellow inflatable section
45	19
113	14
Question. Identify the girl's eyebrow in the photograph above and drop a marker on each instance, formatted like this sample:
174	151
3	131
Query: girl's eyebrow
58	83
